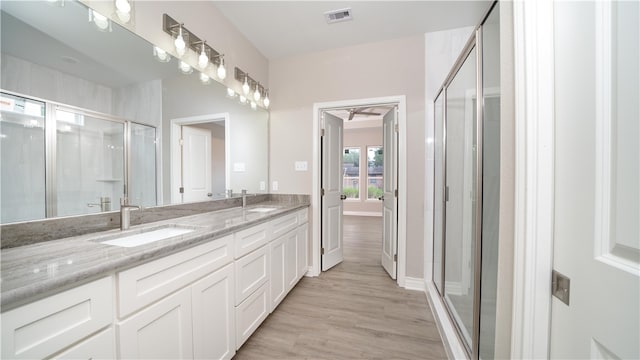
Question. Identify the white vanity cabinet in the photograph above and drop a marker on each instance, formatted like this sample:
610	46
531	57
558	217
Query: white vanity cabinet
184	305
61	322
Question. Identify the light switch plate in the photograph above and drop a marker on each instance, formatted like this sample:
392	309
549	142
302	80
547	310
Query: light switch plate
239	167
301	166
274	186
263	186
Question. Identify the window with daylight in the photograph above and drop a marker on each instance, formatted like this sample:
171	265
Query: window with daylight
351	172
374	172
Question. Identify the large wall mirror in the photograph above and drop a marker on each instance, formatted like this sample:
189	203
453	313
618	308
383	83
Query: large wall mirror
89	116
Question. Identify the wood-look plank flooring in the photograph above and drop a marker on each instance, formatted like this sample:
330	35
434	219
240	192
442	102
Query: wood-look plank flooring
353	311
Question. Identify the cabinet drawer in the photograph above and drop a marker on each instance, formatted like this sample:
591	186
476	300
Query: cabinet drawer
303	216
251	313
282	225
99	346
251	272
149	282
250	239
44	327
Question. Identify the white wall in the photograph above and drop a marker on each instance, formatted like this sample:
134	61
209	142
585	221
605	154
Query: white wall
386	68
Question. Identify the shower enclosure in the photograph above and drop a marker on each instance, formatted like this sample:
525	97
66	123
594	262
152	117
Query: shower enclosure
58	160
467	168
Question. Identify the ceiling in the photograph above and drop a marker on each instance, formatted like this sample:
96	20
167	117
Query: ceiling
284	28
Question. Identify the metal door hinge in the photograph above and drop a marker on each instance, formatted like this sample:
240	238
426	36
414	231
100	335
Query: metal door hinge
321	192
181	142
181	190
321	132
395	257
396	193
396	128
446	193
322	251
560	286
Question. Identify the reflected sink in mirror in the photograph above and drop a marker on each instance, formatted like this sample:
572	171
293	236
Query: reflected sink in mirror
262	209
147	236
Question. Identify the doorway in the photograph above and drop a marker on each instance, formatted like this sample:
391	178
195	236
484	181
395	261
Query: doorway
329	175
199	157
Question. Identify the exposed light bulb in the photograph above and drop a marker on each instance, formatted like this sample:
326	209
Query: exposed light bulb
161	55
266	100
203	59
180	44
185	68
243	99
245	86
256	94
101	21
204	78
254	105
222	72
230	92
123	10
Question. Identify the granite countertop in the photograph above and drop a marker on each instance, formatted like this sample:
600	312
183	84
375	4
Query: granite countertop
34	271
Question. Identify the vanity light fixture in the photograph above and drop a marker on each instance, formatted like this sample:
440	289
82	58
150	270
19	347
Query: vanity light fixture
266	100
205	79
203	57
222	71
256	94
180	42
123	10
185	68
161	55
100	21
245	86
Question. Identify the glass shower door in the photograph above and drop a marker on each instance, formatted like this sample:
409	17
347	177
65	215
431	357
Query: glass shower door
22	159
142	176
461	197
89	163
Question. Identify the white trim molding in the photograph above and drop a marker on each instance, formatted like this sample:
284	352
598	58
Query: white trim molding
452	344
412	283
534	197
362	213
401	101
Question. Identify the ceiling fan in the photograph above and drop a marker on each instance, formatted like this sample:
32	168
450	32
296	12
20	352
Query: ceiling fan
360	111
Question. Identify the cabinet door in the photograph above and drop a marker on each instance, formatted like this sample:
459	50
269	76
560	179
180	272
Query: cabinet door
44	327
251	313
99	346
303	245
277	280
252	271
290	260
161	331
214	315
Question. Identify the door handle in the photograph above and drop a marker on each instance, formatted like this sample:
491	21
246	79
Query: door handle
209	194
381	198
342	197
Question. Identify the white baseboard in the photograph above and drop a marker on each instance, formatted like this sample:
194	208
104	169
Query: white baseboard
411	283
452	344
362	213
453	288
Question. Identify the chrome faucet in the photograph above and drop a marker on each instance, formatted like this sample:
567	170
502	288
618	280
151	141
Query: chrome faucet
125	213
244	198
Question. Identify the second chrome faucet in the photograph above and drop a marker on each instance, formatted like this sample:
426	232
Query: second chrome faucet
125	213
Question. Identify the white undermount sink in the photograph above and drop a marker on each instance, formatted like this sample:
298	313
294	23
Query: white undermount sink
147	237
262	209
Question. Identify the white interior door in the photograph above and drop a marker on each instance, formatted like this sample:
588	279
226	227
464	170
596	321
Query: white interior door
389	200
196	164
332	191
597	217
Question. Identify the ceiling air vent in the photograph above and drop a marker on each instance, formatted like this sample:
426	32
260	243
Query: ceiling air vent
335	16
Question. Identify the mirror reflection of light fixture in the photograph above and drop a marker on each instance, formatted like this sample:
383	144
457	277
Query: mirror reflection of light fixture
231	93
266	100
204	78
222	71
245	86
161	55
185	68
123	10
56	2
254	105
100	21
243	99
